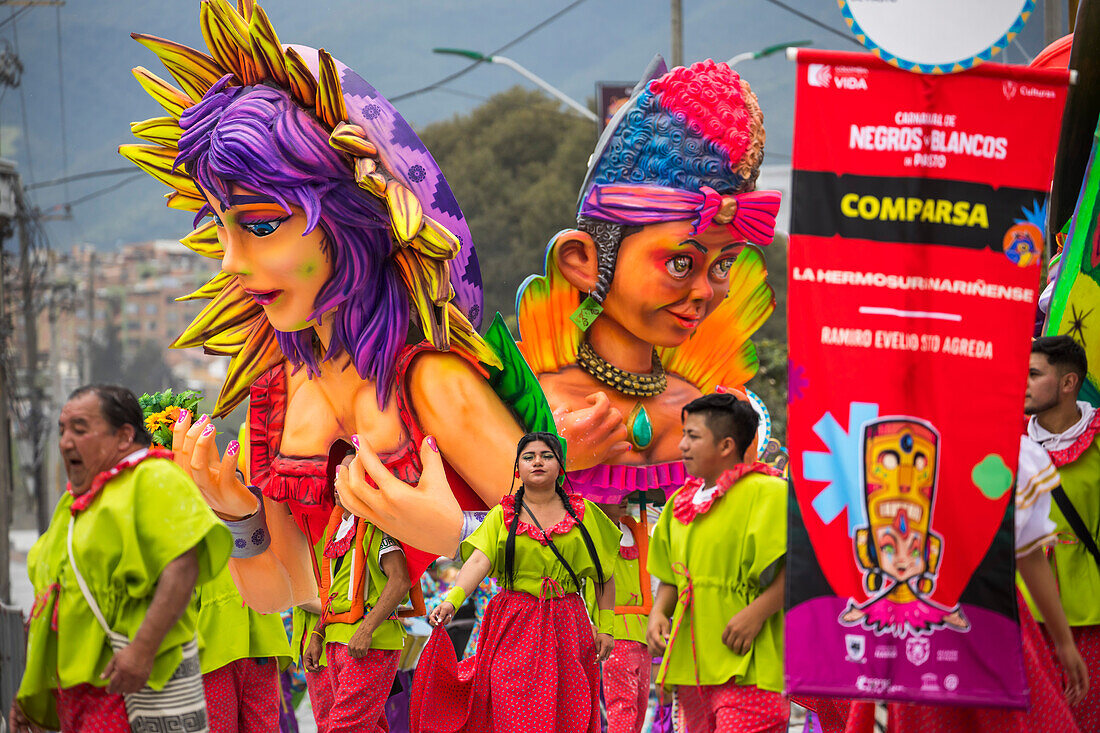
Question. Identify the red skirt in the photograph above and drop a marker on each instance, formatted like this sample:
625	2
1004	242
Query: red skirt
1087	639
535	671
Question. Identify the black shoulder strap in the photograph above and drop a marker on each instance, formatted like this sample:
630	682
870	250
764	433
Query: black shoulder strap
554	549
1076	523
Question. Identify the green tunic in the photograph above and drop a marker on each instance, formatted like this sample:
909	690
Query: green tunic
390	634
143	519
302	623
728	550
229	630
1074	567
535	561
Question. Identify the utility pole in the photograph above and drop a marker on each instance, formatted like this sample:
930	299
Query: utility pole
35	419
8	181
86	366
6	493
677	33
1052	21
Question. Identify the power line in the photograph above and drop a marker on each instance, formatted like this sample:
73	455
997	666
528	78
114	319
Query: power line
61	103
78	177
14	14
523	36
100	192
815	21
460	93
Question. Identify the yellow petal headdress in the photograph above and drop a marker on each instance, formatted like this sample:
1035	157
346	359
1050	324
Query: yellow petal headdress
431	235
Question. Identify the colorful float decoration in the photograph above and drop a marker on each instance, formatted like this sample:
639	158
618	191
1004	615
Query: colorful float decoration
650	301
306	136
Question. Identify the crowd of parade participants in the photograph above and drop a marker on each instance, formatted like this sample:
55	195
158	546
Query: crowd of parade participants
132	540
383	474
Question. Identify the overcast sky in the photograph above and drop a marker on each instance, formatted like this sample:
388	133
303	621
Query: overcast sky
389	43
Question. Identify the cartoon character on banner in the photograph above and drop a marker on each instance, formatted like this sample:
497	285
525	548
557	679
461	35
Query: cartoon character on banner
347	301
898	551
671	287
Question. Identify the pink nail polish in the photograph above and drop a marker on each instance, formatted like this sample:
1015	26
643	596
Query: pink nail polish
208	430
184	414
431	443
233	449
355	442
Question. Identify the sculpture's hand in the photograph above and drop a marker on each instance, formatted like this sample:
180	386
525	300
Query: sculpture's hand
595	434
196	453
425	516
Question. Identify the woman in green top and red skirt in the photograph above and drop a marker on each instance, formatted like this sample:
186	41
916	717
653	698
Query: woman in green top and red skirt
536	666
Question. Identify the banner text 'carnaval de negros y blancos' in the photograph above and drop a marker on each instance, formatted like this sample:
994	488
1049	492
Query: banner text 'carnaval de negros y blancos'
914	272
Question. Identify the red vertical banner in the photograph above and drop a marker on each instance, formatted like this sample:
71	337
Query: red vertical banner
916	240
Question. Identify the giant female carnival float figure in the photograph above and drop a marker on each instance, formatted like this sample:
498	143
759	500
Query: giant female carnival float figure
347	302
671	285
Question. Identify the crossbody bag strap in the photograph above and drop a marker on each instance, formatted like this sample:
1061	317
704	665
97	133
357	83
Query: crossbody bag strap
553	548
88	597
1076	523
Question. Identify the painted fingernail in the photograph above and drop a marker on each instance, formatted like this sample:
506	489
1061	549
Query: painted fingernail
431	443
184	414
201	420
233	449
355	441
208	430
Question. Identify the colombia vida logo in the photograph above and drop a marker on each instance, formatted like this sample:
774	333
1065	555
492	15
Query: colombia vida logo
836	77
819	75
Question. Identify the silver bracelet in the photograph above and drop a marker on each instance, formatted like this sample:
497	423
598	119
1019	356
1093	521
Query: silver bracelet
250	535
470	522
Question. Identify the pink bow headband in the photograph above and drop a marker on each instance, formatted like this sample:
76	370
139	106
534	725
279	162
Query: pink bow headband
749	216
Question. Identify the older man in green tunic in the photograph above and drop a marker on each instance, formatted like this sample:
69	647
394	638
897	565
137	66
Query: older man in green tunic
128	543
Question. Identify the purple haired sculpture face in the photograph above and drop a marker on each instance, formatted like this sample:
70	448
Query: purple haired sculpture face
257	139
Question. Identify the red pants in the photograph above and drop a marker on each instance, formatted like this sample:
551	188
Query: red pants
243	696
1087	639
89	709
733	708
320	697
626	686
352	693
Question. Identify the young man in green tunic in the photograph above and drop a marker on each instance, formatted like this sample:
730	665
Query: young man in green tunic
1069	430
142	538
718	550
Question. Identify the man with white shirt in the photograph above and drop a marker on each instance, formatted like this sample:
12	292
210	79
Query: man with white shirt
1069	430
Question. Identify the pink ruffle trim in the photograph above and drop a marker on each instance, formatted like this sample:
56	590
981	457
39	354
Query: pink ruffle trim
915	615
508	504
608	484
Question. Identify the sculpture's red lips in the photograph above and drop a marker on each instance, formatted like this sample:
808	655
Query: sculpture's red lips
686	318
264	297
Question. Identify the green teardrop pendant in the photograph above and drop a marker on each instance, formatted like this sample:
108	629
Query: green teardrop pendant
639	428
